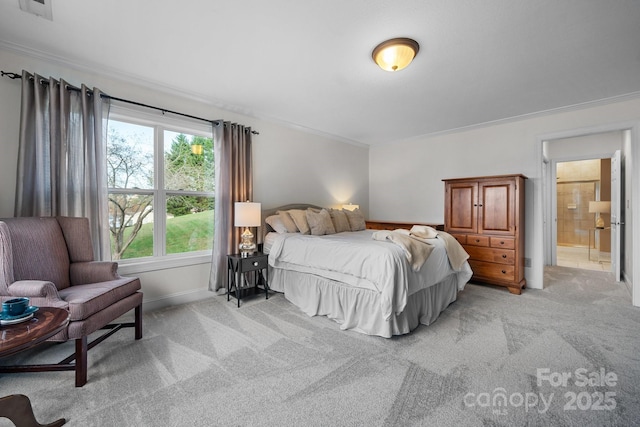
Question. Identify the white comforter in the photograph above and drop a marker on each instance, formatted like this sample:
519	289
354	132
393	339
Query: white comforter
356	259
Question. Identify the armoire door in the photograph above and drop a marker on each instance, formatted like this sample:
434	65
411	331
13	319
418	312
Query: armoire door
461	207
496	207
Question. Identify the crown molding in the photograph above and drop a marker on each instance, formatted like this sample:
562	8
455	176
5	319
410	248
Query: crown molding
542	113
142	82
156	86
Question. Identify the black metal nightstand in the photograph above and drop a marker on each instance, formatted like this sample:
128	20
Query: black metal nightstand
239	266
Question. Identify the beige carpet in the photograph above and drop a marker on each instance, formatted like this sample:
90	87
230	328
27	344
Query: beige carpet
492	358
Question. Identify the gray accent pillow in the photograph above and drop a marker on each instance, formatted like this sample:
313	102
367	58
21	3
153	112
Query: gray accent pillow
340	221
320	222
356	219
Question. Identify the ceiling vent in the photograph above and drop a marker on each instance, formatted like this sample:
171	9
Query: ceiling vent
37	7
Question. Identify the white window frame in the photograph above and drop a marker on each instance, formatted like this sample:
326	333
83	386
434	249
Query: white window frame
160	122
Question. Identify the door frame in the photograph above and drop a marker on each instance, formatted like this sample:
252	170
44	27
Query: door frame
552	256
547	172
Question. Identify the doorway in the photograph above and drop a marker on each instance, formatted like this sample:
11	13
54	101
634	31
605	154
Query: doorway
585	145
583	195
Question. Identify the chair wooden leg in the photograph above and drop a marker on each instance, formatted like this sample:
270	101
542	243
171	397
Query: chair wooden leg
138	320
81	361
17	408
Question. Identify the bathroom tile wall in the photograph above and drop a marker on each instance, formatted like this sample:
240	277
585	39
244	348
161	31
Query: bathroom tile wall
574	219
576	185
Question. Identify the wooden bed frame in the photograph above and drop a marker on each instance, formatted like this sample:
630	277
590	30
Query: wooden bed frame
393	225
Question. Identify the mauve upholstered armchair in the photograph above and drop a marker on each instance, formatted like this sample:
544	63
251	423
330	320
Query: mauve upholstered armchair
50	261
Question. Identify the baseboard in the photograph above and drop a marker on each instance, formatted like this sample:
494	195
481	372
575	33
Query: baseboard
177	299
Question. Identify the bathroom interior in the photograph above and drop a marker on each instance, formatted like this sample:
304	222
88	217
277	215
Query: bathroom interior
583	191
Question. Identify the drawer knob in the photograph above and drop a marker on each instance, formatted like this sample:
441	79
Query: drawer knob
502	243
255	263
504	272
477	240
504	256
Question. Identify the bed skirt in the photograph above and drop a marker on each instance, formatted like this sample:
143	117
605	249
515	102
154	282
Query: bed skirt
359	309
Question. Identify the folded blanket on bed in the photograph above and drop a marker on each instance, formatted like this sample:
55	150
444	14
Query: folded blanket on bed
416	251
423	231
455	252
417	248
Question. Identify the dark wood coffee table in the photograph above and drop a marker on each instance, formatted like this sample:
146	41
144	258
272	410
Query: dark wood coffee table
45	323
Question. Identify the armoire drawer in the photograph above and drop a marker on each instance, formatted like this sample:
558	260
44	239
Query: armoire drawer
477	240
491	270
461	238
503	242
500	256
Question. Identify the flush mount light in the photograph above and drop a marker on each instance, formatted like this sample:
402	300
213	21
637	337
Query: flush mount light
395	54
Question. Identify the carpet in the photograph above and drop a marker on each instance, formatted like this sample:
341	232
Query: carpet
566	355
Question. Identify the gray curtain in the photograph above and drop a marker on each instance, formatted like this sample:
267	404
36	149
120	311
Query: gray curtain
234	183
62	166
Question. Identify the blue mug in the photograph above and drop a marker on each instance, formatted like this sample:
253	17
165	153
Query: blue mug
15	306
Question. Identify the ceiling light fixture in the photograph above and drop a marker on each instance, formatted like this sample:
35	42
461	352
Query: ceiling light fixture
395	54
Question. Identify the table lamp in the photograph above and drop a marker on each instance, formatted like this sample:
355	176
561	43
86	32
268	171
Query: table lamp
247	214
599	207
350	207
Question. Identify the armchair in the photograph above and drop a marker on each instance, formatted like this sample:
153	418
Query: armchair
50	261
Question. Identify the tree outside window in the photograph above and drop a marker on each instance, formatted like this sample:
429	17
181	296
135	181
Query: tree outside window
163	204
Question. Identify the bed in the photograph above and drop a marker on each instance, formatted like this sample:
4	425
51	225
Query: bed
366	285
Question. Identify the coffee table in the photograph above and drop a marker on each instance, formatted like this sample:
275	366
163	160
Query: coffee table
45	323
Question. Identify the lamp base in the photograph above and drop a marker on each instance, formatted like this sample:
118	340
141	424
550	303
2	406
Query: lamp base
599	222
247	246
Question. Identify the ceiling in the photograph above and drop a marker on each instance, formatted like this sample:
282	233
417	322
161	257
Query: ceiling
308	63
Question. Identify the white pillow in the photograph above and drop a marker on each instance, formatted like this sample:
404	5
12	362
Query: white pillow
276	223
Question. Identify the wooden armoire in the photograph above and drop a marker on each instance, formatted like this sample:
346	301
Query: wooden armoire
486	215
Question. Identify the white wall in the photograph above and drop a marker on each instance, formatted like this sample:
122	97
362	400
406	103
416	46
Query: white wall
289	165
405	178
296	167
598	145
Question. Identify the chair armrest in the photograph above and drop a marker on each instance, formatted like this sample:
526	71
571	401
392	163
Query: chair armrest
82	273
34	289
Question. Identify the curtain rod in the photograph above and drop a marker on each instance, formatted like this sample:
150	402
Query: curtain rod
14	76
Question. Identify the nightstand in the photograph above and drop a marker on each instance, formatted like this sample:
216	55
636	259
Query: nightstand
242	283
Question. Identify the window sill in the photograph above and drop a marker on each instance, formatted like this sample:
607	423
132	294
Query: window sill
126	267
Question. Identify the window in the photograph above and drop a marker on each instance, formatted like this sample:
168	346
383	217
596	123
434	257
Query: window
161	186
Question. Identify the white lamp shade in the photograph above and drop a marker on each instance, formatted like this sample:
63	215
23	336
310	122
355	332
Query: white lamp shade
350	207
599	207
247	214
